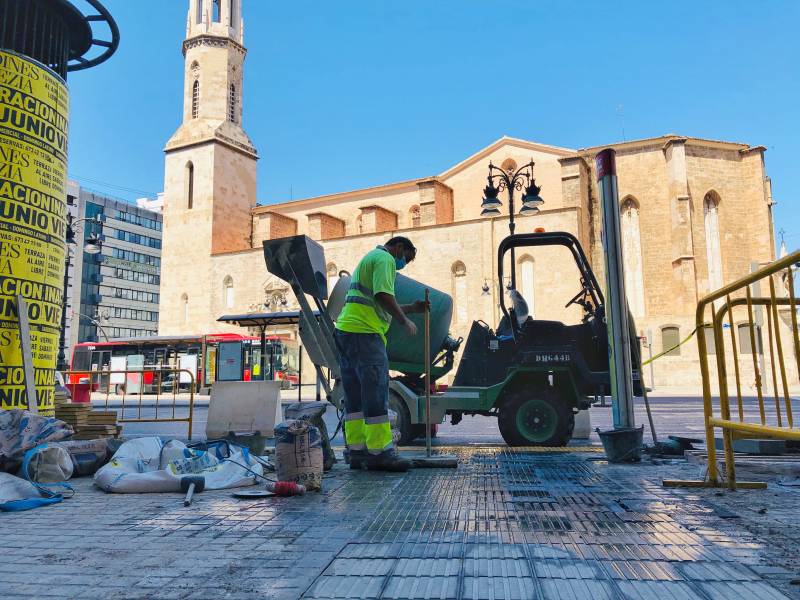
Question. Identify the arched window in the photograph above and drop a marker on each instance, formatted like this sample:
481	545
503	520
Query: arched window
713	251
232	104
189	184
185	305
670	338
199	12
526	276
216	11
459	271
196	99
711	345
227	291
632	256
333	276
416	217
745	343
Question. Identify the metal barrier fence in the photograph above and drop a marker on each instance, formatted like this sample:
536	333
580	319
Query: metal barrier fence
722	305
150	383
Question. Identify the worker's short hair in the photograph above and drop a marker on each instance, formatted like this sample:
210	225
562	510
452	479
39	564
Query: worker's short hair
399	239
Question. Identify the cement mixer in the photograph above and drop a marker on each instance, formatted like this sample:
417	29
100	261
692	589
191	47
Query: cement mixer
533	375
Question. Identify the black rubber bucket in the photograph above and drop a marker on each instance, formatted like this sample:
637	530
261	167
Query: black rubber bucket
622	445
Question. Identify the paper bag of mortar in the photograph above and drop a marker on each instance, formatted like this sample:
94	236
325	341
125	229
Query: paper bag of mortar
298	453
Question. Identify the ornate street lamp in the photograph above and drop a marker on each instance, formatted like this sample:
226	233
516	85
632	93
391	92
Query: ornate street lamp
511	181
92	245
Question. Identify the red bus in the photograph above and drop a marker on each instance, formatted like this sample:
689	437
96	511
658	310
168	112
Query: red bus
212	357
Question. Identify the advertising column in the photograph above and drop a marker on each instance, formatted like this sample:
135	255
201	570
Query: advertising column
33	164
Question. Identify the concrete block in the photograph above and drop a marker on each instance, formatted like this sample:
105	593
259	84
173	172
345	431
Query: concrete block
762	447
244	407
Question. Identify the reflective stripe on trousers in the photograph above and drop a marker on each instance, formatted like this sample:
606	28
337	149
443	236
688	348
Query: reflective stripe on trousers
378	434
355	431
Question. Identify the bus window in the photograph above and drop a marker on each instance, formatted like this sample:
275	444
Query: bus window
81	359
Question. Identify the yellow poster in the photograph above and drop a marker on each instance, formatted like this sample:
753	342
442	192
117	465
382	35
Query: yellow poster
34	107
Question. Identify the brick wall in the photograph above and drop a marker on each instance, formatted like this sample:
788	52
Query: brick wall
436	202
281	226
322	226
376	219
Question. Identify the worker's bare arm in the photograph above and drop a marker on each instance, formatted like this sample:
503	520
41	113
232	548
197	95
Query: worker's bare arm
390	305
414	307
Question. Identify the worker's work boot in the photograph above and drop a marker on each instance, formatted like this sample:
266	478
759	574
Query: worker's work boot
356	458
387	461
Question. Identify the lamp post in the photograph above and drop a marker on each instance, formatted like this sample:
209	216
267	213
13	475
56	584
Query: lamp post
511	181
93	245
97	321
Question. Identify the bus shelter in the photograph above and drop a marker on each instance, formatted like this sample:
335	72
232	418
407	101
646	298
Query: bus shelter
262	321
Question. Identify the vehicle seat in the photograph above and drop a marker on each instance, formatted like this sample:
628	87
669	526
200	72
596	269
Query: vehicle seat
520	307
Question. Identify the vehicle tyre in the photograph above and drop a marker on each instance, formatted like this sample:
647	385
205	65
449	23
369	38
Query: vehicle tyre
535	417
404	426
418	431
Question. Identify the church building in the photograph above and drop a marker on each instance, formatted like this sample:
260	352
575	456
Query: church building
696	214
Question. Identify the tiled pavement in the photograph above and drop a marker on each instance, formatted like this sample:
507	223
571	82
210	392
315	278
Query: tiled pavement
503	525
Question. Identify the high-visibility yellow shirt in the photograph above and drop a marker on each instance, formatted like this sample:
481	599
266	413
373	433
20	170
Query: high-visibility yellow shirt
361	313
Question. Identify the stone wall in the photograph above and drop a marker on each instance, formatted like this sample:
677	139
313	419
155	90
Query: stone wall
667	177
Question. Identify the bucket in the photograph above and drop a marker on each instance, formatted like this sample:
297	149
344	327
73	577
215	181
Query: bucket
622	445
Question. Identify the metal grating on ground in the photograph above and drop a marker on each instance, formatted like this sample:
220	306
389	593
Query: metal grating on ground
523	525
505	524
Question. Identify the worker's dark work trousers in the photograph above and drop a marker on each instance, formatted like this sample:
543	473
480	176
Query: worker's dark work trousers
365	378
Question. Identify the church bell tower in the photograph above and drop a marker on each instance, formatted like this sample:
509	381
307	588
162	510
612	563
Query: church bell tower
210	168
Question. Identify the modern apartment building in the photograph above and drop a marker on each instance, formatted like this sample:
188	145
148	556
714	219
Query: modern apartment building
118	292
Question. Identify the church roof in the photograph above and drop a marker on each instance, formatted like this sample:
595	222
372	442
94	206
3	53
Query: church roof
557	151
388	187
367	191
664	139
505	141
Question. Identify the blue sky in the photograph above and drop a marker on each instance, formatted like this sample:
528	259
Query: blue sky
342	95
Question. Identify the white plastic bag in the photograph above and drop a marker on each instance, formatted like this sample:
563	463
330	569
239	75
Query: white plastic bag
148	465
47	463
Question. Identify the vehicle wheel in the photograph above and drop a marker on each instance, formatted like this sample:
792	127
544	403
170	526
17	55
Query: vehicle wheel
403	419
418	431
535	418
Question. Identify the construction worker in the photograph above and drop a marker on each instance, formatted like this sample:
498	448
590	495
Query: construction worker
360	338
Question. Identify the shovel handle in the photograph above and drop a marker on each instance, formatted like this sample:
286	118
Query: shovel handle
189	495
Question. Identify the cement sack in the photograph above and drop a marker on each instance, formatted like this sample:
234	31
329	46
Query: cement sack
20	431
298	453
87	455
314	413
47	463
147	465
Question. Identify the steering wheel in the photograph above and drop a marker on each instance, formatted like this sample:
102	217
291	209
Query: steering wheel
576	298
